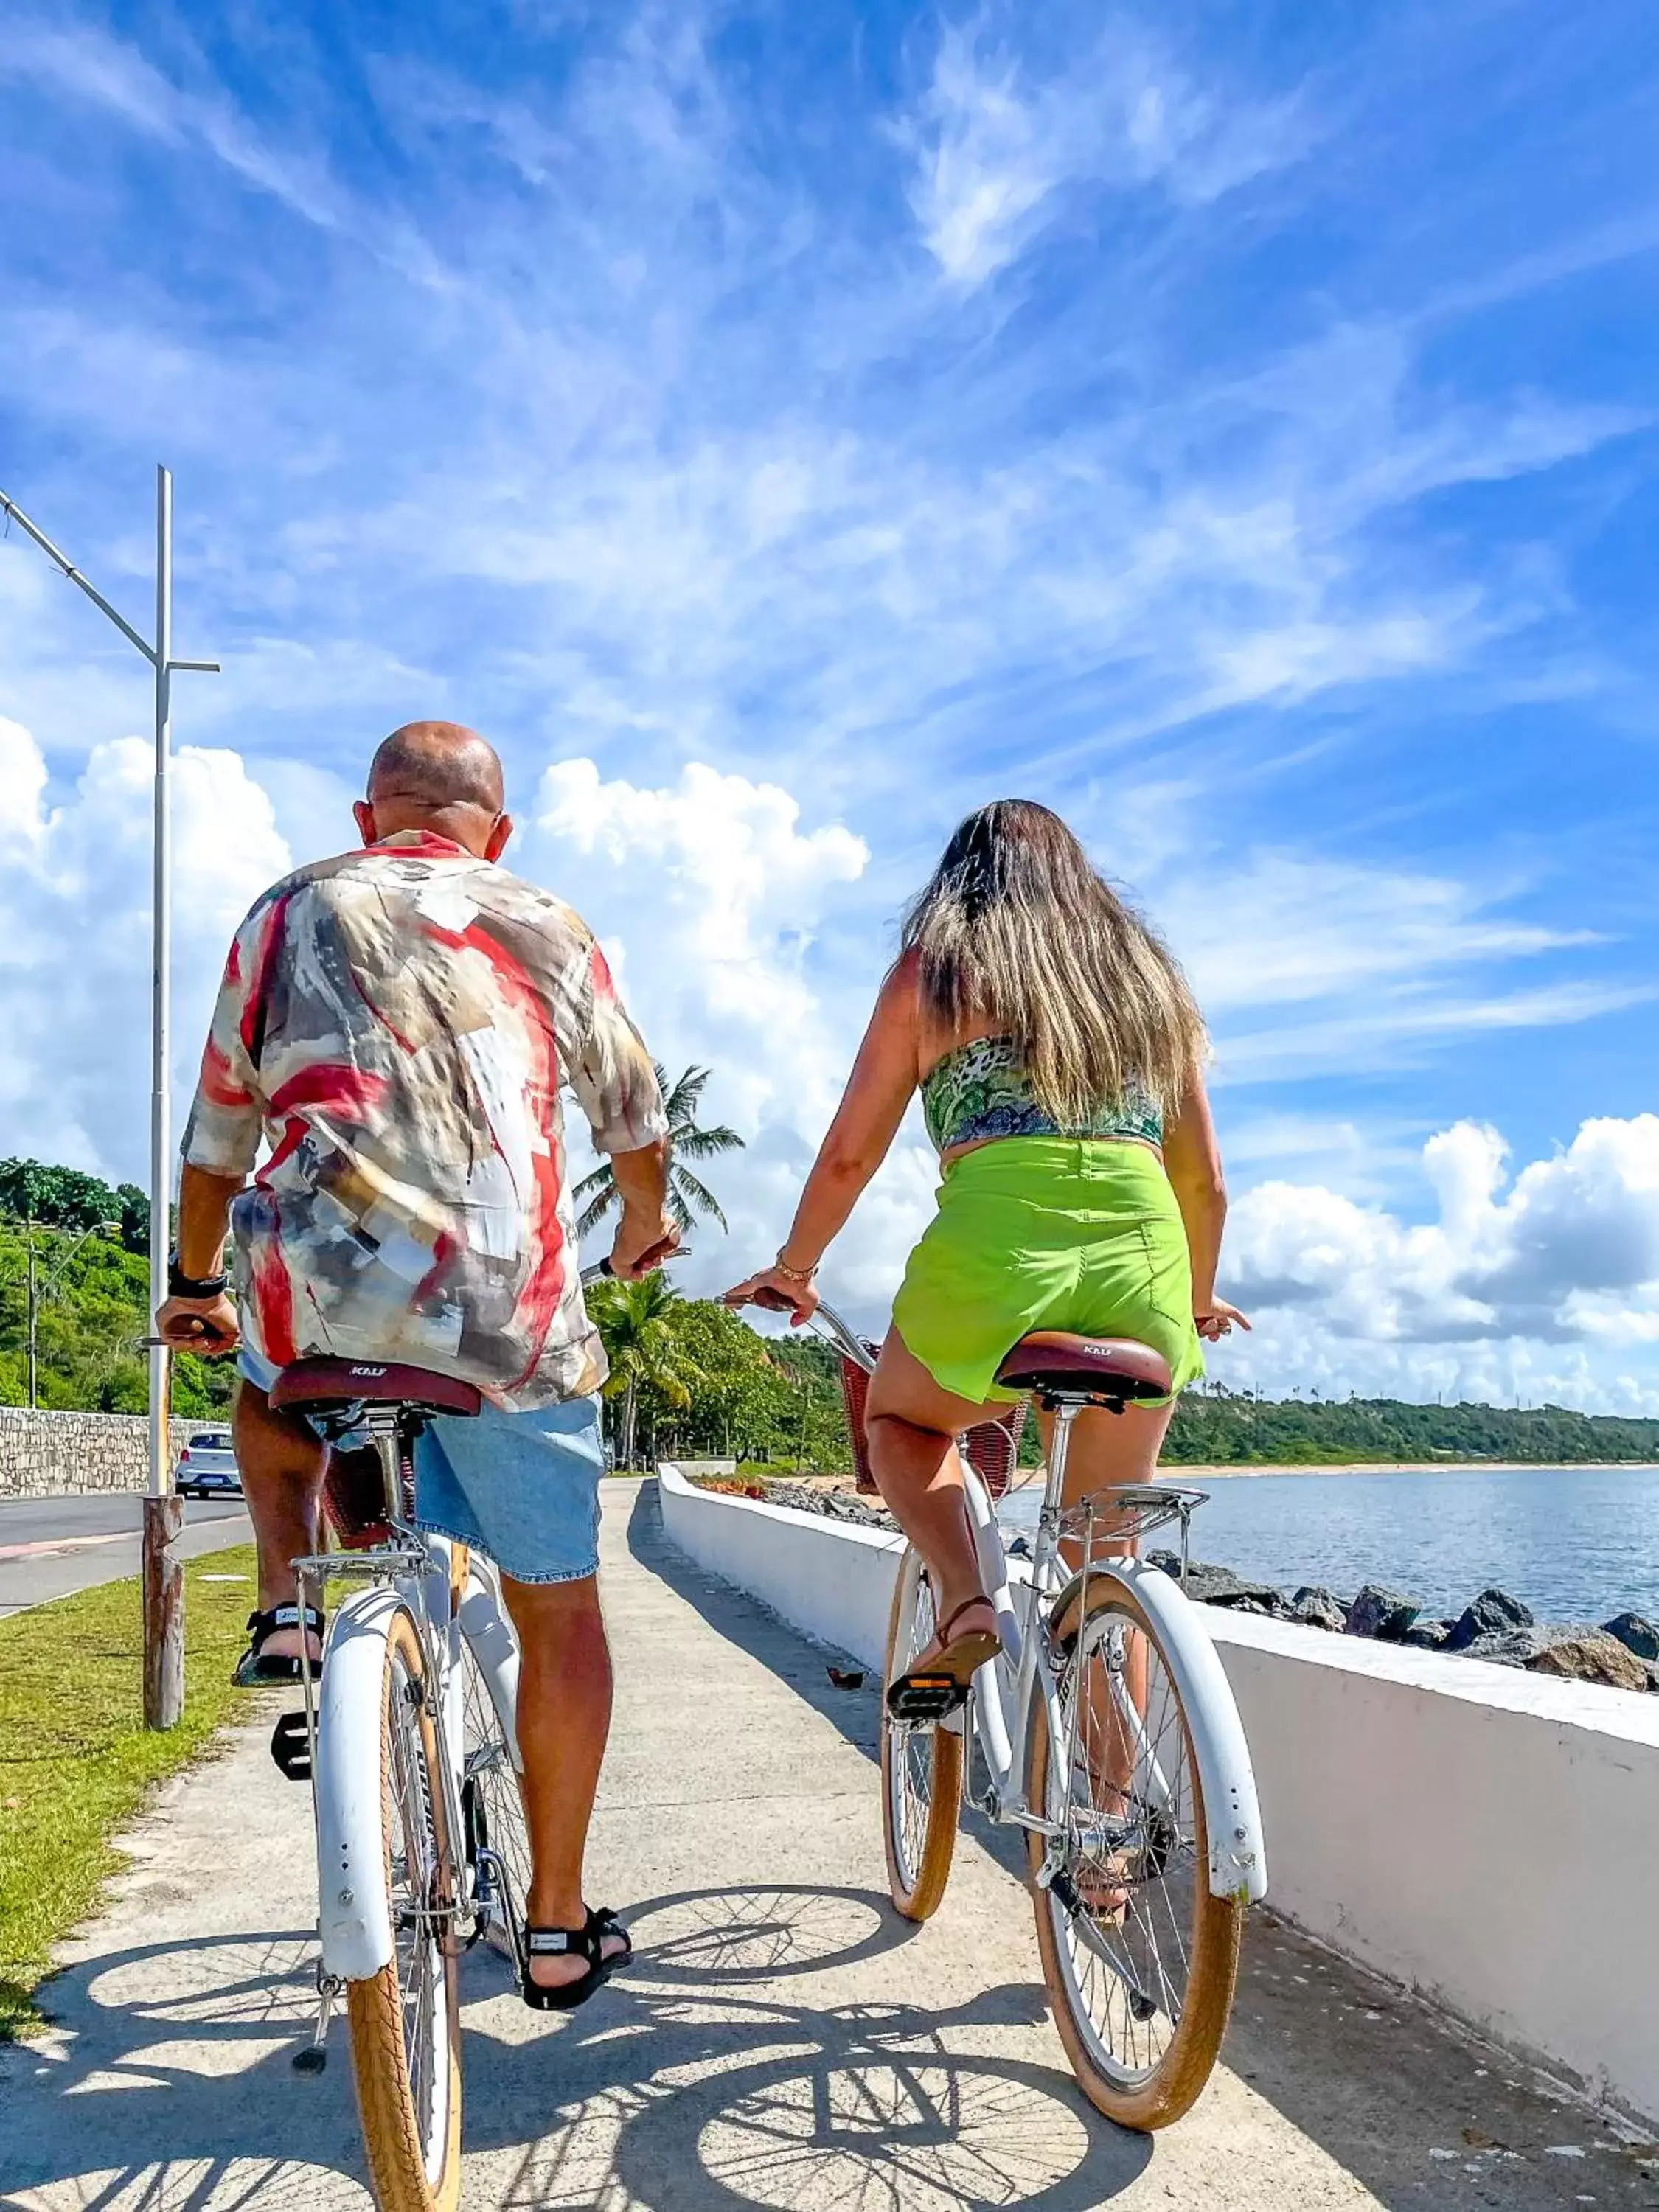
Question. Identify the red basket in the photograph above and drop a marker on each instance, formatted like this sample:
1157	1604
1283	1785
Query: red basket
992	1447
354	1497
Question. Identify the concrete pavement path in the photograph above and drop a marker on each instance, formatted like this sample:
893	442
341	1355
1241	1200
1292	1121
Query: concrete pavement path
784	2041
51	1546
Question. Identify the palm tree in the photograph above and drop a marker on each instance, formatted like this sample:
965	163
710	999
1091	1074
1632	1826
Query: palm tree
597	1193
635	1322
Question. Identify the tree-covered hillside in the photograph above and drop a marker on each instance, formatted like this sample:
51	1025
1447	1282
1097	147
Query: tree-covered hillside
1219	1428
92	1296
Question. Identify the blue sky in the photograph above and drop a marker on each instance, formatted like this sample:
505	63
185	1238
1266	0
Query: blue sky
1233	426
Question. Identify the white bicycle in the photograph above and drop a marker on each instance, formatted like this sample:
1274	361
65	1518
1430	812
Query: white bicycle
1107	1732
409	1739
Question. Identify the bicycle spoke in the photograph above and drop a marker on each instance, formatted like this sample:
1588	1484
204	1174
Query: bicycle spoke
1126	1800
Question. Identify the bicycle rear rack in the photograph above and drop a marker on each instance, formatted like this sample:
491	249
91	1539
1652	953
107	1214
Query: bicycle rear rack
1124	1516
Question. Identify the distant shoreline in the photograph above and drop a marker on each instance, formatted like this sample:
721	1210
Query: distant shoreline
1175	1471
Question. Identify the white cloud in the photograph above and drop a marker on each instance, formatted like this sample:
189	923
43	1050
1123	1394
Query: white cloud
1546	1280
708	892
709	895
74	935
992	149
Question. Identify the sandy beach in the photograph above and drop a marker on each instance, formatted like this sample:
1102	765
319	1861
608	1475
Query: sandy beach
1172	1472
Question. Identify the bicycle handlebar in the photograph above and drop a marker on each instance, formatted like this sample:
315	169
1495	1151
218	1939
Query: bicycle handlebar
602	1271
826	1324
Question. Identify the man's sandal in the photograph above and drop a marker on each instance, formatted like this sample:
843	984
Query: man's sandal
932	1689
255	1669
587	1942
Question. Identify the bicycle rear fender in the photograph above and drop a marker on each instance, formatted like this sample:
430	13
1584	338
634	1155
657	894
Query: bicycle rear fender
1238	1850
353	1912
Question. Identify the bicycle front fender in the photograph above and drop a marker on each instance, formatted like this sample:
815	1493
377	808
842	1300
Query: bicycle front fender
353	1911
1232	1816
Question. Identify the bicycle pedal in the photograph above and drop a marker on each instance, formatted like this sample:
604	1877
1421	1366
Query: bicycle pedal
927	1698
290	1746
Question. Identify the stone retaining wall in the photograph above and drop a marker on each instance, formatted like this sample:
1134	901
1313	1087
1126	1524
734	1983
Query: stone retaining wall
46	1454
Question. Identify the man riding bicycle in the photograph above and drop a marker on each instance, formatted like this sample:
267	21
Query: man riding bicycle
398	1023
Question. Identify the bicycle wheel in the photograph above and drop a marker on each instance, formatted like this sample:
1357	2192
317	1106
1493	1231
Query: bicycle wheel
1139	1955
920	1767
497	1839
405	2021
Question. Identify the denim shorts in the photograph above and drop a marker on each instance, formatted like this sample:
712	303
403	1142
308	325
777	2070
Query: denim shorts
524	1488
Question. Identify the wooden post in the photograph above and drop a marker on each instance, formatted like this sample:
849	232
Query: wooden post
164	1612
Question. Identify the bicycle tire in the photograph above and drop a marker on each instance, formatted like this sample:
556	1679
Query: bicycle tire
412	2135
1141	2097
921	1768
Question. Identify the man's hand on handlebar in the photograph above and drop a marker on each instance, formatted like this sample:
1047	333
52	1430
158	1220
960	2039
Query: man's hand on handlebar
778	1293
207	1326
644	1243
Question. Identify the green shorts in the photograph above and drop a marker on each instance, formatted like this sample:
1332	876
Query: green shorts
1047	1232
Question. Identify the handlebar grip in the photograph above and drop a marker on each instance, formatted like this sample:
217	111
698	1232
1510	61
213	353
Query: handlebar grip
602	1270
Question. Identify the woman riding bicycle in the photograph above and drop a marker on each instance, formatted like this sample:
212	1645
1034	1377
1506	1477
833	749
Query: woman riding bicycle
1058	1052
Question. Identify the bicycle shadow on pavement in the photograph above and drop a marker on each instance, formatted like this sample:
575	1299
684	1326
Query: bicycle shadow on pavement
164	2080
1415	2110
707	2077
702	2078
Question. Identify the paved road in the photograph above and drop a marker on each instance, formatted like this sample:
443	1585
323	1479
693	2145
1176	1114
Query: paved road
783	2041
51	1546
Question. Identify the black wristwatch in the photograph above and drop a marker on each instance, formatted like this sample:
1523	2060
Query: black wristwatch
180	1285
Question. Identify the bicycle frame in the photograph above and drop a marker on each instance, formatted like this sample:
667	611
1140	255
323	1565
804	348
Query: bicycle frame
412	1573
1007	1690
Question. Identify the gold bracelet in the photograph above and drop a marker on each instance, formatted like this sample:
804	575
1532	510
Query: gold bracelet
794	1274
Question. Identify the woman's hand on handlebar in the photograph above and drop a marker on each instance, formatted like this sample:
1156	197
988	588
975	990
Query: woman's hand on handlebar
1214	1319
778	1293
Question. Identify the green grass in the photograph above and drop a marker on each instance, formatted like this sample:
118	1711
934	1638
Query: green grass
76	1759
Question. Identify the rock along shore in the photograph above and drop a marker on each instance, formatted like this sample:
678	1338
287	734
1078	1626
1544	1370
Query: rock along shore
1621	1653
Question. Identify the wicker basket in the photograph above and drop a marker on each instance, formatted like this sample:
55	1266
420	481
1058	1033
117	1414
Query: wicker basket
992	1447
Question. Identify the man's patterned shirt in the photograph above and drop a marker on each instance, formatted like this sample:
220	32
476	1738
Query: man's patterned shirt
396	1024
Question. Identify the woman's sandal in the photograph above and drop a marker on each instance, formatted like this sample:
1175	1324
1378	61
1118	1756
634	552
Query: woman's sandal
932	1689
254	1669
587	1942
1101	1888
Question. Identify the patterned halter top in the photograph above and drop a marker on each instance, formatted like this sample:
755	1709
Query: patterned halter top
981	1090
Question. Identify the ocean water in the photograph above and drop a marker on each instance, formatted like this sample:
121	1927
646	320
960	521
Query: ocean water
1577	1543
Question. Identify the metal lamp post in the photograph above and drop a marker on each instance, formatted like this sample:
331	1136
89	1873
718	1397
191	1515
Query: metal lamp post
38	1293
164	1616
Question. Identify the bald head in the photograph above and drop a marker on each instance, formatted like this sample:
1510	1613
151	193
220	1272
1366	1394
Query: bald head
440	777
437	764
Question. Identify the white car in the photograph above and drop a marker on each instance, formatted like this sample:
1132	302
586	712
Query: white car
207	1467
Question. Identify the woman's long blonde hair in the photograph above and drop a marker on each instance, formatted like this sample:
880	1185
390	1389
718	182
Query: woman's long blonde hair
1015	928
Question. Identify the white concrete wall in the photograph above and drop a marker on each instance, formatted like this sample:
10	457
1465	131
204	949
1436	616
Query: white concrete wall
1486	1837
834	1581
